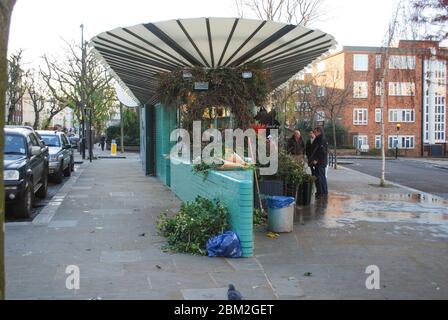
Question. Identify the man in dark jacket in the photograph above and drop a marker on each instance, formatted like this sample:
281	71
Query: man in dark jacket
295	146
309	150
319	160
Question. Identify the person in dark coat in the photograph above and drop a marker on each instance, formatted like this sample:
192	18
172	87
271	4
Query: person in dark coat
103	142
320	161
309	151
296	146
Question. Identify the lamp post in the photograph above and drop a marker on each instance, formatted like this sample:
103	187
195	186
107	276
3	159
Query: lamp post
396	143
89	131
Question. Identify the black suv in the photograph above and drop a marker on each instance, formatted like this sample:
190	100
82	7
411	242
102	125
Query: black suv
25	170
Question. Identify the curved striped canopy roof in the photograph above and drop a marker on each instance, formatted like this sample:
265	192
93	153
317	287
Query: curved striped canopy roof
136	55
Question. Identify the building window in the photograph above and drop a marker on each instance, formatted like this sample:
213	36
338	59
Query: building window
320	116
378	88
402	89
402	62
378	61
360	62
360	141
439	101
360	117
360	90
440	119
378	115
402	142
401	115
321	91
377	142
303	107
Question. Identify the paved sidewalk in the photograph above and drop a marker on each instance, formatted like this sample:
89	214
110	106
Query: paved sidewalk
105	225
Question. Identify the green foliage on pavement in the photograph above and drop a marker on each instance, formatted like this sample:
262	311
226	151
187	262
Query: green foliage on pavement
189	230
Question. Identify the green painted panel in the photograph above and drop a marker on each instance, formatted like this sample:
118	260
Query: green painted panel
229	187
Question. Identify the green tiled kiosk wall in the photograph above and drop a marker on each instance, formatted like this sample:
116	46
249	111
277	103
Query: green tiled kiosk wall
165	123
234	188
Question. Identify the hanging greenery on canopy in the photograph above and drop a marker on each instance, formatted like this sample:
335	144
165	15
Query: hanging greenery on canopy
226	88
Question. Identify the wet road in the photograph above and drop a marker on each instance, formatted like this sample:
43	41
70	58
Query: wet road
419	175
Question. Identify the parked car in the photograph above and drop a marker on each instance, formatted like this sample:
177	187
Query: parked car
25	170
61	161
32	130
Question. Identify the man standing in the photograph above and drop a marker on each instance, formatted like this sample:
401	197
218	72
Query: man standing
309	150
319	160
295	146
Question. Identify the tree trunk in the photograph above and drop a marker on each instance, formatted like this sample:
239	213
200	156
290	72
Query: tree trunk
121	128
334	144
6	7
36	120
11	109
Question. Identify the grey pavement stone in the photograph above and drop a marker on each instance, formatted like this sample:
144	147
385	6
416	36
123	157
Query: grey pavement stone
82	188
205	294
120	256
106	212
63	224
78	196
121	194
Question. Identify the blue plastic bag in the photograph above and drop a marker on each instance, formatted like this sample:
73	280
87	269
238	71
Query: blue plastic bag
226	244
278	202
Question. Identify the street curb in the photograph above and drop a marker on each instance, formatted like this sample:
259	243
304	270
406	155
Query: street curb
399	185
48	212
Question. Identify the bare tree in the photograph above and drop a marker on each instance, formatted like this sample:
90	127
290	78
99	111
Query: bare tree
303	12
389	38
6	7
398	27
67	83
332	96
432	17
16	86
54	108
38	94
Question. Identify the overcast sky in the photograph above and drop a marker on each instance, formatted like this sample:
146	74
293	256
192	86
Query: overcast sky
38	25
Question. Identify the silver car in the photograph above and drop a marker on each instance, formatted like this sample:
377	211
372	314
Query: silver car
62	161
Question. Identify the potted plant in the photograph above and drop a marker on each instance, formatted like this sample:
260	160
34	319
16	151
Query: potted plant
297	183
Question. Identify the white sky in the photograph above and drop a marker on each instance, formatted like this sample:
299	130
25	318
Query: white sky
38	25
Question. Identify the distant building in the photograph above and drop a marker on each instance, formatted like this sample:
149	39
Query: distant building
415	91
64	119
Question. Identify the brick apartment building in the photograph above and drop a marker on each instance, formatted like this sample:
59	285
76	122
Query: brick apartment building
416	70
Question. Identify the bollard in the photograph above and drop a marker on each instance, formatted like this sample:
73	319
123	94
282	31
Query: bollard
113	148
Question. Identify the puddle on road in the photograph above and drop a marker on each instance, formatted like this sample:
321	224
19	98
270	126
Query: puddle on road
425	212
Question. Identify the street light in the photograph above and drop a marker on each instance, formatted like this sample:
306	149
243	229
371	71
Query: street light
396	143
89	131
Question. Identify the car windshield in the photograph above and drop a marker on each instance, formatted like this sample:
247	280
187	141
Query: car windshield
51	141
15	144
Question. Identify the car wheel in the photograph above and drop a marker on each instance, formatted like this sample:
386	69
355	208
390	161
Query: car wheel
24	208
72	165
68	170
43	190
59	177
